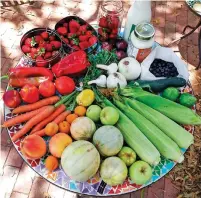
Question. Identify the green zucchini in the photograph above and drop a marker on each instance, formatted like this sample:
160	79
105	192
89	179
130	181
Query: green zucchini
160	85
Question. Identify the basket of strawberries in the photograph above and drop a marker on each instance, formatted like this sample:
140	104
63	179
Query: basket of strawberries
77	34
42	46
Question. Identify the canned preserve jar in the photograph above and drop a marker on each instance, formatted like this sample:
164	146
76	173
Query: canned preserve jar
141	41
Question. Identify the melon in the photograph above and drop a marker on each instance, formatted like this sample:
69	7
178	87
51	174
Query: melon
82	128
108	140
113	171
80	160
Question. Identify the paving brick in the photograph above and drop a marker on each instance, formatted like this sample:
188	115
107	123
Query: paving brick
4	154
170	32
18	195
139	193
5	140
156	189
37	192
55	191
9	178
170	191
14	159
193	38
26	176
192	18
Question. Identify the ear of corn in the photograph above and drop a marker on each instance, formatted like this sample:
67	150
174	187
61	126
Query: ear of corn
177	133
174	111
166	146
135	138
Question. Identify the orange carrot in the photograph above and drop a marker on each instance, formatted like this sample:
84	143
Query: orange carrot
23	117
33	121
57	120
36	105
61	117
40	133
43	123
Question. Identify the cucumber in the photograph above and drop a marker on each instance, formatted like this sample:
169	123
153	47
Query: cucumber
160	85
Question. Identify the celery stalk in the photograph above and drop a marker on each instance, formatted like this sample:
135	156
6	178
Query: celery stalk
177	133
166	146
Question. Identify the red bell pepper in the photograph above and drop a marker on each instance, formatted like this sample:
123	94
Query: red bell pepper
72	64
20	76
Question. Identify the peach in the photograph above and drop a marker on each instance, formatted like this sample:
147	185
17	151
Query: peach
33	147
58	143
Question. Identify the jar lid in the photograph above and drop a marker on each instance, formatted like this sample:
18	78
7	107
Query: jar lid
144	31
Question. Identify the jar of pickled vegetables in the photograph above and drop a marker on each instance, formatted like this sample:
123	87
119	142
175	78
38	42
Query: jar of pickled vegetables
110	19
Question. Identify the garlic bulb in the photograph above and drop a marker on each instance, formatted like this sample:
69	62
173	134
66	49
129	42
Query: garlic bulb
114	79
100	81
110	68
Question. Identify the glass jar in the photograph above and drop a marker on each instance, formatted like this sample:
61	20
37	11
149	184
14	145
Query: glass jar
110	19
141	41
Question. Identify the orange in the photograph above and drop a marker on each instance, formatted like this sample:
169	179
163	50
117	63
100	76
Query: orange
51	163
80	111
64	127
71	117
51	129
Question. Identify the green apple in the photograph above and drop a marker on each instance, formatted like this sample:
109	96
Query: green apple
140	172
127	155
93	112
109	116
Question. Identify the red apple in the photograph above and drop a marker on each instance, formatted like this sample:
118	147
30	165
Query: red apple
11	98
47	88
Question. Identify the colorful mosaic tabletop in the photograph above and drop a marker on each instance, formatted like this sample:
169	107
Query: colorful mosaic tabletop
95	186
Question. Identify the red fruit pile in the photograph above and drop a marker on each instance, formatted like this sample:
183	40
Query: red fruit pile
79	37
108	27
41	47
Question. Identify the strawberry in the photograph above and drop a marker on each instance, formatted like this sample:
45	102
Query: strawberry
89	33
93	40
52	38
49	47
56	44
48	55
40	62
112	36
26	49
30	42
33	50
75	47
83	37
78	33
33	53
74	41
113	22
83	28
83	45
45	35
38	39
103	22
71	35
115	31
65	25
103	33
62	30
40	51
74	26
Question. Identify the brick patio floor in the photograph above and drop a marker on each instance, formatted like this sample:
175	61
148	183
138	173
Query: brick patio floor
17	180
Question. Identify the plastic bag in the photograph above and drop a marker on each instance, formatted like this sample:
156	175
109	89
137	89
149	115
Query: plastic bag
165	54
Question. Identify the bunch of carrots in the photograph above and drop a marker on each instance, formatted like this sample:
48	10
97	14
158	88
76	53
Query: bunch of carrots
37	116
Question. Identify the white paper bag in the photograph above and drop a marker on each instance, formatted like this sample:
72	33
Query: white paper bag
165	54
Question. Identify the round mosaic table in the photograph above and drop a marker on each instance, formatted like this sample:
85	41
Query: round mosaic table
94	186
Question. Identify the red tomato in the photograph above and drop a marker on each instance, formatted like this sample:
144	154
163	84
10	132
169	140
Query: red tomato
11	98
47	88
64	85
29	93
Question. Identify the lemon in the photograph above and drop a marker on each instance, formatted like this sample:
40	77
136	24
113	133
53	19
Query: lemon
85	98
